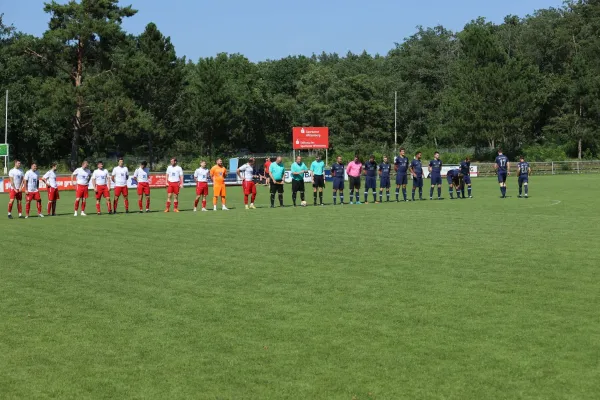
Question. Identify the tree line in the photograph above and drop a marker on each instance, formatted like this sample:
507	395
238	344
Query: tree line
87	88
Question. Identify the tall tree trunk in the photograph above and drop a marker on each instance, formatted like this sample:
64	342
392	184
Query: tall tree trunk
150	151
77	123
76	132
579	141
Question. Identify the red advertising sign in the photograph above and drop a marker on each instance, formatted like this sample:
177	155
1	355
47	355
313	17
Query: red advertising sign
310	137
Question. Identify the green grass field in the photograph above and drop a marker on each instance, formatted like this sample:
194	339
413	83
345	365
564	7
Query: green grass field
485	298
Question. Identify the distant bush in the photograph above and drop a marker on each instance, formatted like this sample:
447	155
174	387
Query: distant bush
544	153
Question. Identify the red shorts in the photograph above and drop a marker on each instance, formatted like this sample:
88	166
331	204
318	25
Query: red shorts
102	190
202	189
81	192
249	187
173	187
16	195
143	188
121	190
53	194
34	196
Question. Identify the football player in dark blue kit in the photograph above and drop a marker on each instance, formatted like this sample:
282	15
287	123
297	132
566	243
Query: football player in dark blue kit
502	168
338	170
435	173
453	178
401	165
524	171
370	169
416	170
385	168
465	170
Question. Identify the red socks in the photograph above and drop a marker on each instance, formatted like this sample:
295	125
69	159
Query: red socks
147	203
76	205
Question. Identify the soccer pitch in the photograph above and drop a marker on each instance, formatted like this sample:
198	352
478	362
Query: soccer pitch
482	298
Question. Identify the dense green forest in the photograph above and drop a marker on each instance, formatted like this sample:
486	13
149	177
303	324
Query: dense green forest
86	88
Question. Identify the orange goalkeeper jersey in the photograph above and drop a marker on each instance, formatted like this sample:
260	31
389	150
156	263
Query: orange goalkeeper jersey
218	174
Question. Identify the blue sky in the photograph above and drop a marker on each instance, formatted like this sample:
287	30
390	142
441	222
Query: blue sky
271	29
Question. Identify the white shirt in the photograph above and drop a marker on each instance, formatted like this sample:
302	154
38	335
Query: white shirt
120	176
141	175
100	176
82	176
248	172
50	178
17	176
31	178
201	175
174	173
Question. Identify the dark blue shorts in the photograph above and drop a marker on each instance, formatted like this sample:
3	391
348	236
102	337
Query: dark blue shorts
467	179
449	179
418	182
523	179
502	176
384	182
401	179
338	183
436	179
370	182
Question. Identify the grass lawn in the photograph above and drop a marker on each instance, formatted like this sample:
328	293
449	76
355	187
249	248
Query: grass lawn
485	298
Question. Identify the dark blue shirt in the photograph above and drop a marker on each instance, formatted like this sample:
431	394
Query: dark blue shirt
417	167
337	170
436	167
465	168
523	168
402	164
371	168
501	162
453	173
385	169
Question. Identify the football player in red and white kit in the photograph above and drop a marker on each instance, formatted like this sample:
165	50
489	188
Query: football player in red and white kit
82	177
49	179
201	178
142	176
101	185
32	191
16	188
174	184
120	175
248	182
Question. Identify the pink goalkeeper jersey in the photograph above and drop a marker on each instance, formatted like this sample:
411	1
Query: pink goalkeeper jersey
353	168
